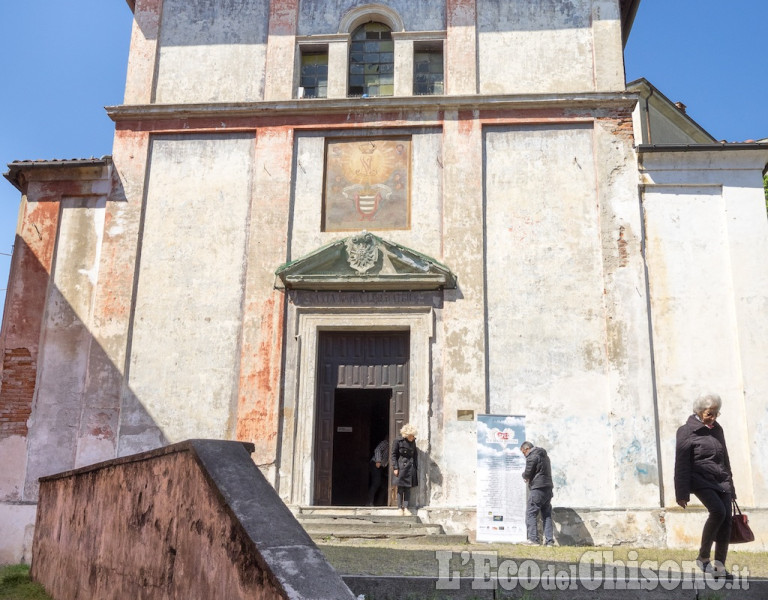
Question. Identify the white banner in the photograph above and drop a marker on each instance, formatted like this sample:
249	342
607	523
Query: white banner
501	493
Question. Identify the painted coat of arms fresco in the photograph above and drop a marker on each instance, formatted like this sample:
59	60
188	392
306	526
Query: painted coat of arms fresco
367	184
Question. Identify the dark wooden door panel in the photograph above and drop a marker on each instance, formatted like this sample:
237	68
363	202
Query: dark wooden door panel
356	360
324	445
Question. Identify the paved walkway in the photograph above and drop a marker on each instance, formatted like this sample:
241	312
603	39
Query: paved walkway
407	571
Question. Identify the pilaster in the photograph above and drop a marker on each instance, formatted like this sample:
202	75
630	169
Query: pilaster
461	47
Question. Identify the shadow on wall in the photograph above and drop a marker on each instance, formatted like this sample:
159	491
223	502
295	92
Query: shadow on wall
84	412
570	529
434	474
197	23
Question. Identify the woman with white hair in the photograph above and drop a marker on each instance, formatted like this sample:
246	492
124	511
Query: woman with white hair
702	467
405	463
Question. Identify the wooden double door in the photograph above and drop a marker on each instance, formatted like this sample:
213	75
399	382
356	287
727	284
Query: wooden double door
362	397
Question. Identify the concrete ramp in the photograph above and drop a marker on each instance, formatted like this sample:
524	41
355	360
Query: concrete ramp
195	520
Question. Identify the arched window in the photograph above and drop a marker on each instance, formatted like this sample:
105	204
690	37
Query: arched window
372	61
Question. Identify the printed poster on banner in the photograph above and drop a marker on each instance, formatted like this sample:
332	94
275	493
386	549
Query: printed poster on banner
501	493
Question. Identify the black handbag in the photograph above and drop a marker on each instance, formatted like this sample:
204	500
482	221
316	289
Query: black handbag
740	531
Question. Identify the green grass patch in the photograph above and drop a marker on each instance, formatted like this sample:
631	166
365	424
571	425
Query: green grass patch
15	584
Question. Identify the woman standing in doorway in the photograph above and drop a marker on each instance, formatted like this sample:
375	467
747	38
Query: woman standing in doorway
405	463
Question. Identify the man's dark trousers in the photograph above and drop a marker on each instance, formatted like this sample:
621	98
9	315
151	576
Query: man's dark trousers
540	500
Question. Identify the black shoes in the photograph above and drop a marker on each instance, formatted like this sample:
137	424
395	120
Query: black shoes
717	570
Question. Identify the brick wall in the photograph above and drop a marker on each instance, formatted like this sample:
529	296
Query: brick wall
18	388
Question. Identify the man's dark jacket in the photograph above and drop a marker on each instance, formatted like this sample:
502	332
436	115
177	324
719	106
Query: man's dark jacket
701	460
538	471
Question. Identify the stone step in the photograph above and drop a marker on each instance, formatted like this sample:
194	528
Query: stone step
352	515
378	529
347	523
351	520
350	511
441	540
361	525
430	534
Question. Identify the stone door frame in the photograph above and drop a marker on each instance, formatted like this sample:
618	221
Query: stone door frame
296	470
372	360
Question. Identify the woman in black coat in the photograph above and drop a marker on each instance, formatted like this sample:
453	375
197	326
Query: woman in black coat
405	465
702	467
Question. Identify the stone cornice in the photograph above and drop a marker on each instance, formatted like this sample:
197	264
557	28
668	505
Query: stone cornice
22	171
419	36
331	38
713	147
723	156
588	101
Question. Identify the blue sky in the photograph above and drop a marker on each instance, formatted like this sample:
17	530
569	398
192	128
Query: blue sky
64	60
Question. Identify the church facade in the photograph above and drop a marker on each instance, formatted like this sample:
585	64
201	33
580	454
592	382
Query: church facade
322	220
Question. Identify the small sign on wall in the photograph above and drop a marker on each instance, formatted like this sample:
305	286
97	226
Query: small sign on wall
343	430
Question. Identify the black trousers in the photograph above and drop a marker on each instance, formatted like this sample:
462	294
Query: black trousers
717	528
403	494
377	477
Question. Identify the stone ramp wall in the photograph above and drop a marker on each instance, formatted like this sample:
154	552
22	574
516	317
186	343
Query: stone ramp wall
195	520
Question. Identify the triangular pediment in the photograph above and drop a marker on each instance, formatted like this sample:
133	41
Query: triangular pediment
365	262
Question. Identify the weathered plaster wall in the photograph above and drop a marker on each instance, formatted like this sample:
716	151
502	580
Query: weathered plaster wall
706	236
426	201
463	354
461	47
692	310
608	62
629	364
281	50
186	329
546	322
205	45
22	323
142	58
76	198
259	395
683	530
17	527
548	46
593	252
212	51
567	329
105	389
66	340
317	17
58	202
